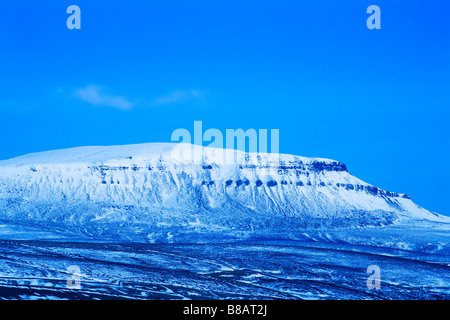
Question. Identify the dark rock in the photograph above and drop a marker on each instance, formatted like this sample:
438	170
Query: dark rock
372	190
327	166
271	183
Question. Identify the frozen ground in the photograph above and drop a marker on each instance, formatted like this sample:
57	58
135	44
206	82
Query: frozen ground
329	265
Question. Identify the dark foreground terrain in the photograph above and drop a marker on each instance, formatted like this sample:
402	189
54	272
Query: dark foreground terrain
245	270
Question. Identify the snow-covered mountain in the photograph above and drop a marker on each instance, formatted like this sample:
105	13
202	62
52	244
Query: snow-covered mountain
162	188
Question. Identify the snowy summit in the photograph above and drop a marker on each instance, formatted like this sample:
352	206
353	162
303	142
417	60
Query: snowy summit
168	188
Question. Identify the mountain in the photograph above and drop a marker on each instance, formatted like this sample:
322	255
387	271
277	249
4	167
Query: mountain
166	190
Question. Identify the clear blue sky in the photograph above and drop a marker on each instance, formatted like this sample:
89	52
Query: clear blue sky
377	100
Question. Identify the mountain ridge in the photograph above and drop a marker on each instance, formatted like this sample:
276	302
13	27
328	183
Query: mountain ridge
168	188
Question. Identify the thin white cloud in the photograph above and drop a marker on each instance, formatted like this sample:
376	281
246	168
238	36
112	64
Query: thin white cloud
93	94
178	96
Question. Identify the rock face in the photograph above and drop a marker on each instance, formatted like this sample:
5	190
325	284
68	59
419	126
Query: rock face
155	188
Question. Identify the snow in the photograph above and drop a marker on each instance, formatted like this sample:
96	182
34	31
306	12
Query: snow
176	152
149	221
263	270
157	189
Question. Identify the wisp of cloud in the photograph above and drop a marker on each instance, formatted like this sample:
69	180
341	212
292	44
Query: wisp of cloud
92	94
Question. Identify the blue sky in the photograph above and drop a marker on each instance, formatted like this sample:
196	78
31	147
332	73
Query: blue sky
377	100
